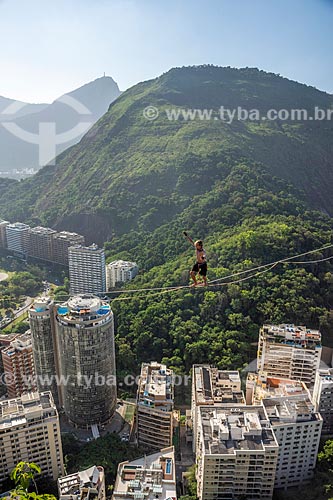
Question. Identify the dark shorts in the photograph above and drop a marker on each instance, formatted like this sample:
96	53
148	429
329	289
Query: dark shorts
200	268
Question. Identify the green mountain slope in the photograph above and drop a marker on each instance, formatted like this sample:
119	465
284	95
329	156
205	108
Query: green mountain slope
256	193
129	173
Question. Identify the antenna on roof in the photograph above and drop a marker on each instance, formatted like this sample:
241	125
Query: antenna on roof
104	74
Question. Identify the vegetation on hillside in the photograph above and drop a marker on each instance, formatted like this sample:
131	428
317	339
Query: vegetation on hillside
129	173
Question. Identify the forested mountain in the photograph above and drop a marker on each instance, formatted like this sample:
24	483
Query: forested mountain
132	173
256	191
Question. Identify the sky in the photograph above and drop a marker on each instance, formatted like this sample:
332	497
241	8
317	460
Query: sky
49	47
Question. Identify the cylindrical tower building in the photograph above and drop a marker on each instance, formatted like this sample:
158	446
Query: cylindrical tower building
85	336
41	318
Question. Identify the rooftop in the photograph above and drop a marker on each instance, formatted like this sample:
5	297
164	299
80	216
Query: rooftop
66	235
292	335
81	485
226	430
272	387
20	342
32	405
17	225
216	386
281	410
150	477
81	308
42	230
156	385
122	263
81	248
41	304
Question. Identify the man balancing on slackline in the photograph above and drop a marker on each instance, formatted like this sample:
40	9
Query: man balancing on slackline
201	264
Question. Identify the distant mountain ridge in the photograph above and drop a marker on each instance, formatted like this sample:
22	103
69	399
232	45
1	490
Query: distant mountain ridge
26	109
83	105
129	173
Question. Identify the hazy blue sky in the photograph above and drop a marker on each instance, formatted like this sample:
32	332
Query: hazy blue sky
48	48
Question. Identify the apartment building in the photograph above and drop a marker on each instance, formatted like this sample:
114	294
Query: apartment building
88	484
290	352
44	347
87	272
3	237
19	367
17	236
5	341
61	243
155	406
213	387
29	431
150	477
297	428
120	271
40	243
323	398
84	330
237	453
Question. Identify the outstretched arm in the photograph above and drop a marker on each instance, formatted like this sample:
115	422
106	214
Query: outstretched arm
188	238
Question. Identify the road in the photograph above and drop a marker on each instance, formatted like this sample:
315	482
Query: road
27	303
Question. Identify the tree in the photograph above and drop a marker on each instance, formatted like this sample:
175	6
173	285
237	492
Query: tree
23	475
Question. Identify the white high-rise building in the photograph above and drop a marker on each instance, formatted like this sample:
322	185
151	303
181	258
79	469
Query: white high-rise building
17	236
30	432
87	270
323	398
120	271
296	425
236	454
288	351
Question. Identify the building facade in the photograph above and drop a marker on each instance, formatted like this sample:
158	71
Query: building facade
17	236
44	347
323	398
87	272
61	243
120	271
85	336
290	352
3	237
19	367
88	484
40	244
297	428
29	431
150	477
155	406
236	454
